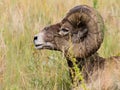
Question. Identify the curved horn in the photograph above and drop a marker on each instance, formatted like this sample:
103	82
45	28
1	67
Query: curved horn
87	20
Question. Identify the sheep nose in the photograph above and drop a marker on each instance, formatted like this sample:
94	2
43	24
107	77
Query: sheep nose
35	38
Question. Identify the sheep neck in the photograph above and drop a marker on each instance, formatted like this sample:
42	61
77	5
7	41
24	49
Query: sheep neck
88	65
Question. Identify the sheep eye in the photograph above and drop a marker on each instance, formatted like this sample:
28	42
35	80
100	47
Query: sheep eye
64	30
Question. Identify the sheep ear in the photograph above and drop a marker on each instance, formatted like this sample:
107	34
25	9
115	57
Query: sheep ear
78	23
82	33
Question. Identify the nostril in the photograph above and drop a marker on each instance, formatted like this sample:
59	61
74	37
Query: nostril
35	38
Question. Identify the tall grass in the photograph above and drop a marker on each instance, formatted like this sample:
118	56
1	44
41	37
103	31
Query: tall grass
24	68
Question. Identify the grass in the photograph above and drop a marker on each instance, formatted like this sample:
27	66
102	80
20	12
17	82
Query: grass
24	68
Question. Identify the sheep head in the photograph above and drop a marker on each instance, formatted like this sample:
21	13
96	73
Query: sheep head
46	39
80	31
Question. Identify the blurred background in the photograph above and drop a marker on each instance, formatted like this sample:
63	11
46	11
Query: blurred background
24	68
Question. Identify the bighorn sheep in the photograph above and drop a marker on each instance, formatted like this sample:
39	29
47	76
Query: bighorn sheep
81	31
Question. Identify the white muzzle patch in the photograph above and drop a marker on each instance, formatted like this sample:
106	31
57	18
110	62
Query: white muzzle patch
40	42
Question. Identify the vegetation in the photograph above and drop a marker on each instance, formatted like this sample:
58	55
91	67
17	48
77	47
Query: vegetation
22	67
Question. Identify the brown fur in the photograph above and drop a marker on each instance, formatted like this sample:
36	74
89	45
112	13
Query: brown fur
100	73
97	72
71	37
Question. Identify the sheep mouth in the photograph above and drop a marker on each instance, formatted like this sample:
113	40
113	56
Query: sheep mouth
37	45
44	46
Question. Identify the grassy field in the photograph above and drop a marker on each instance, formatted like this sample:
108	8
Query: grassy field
24	68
